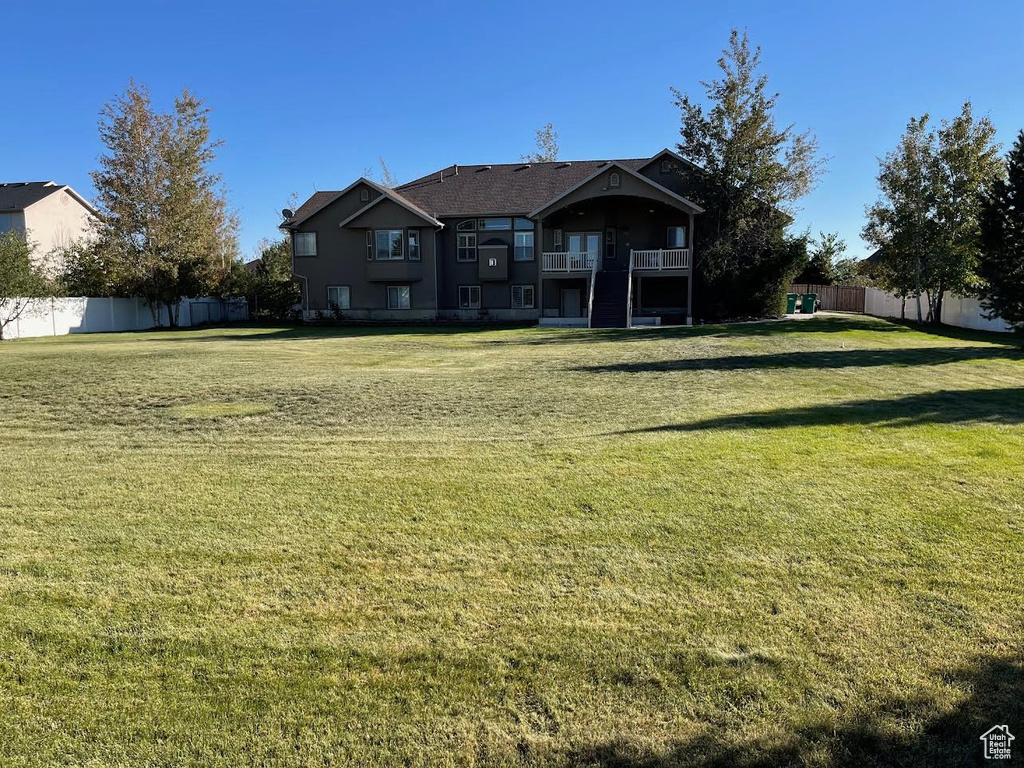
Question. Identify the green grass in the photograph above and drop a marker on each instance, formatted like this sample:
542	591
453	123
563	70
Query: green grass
782	543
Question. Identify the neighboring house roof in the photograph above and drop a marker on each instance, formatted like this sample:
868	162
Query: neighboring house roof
19	195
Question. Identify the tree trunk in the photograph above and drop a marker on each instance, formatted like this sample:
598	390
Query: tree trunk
917	279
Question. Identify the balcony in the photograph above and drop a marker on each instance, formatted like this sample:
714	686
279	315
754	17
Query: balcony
661	259
581	261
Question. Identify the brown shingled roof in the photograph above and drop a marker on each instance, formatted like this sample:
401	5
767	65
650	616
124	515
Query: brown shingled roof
505	188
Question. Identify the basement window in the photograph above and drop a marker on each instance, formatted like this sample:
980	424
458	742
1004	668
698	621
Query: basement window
469	297
522	297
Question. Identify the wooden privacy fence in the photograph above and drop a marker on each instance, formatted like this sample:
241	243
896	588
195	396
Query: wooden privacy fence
836	298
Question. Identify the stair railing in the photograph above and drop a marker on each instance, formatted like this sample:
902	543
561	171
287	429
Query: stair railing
590	299
629	293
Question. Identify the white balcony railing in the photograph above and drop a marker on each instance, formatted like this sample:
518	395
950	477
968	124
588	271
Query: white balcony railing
669	258
569	262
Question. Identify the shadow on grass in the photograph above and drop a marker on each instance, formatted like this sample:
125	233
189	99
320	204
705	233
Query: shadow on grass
319	332
835	324
859	358
910	731
1000	406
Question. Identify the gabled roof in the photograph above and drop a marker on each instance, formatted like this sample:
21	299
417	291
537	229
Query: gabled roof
508	188
320	200
617	164
387	194
19	195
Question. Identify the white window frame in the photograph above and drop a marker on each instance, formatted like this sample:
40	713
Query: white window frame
558	239
517	245
459	247
469	225
615	180
668	237
469	303
524	289
389	233
413	238
339	304
304	237
401	290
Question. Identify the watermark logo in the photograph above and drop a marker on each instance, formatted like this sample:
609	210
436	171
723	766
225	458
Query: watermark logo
997	742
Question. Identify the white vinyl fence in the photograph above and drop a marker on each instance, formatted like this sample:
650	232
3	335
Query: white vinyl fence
60	316
959	311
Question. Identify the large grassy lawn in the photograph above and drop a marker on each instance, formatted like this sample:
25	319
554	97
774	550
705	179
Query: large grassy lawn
782	543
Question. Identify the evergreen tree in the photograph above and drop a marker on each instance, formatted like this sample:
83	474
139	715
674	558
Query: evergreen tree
748	176
1001	264
826	252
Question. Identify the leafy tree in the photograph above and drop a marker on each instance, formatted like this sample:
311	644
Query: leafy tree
20	279
85	271
749	175
267	283
1002	227
927	221
900	222
547	146
165	231
821	266
968	166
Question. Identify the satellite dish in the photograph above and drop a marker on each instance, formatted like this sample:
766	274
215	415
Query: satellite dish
287	212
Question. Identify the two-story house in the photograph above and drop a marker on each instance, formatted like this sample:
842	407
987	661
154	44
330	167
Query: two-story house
50	216
600	242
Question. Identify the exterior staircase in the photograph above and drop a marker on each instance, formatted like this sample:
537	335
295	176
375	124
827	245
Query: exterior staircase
611	294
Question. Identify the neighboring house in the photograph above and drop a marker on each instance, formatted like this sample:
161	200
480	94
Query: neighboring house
50	215
594	242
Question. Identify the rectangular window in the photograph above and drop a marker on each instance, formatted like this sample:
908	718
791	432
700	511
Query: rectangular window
398	297
524	246
494	224
609	244
469	297
389	244
677	237
523	224
558	239
414	244
338	296
522	297
305	243
467	247
369	245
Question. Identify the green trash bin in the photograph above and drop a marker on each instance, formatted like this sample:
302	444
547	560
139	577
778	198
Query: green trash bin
810	304
791	303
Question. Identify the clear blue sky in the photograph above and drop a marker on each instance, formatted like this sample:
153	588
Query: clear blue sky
308	95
